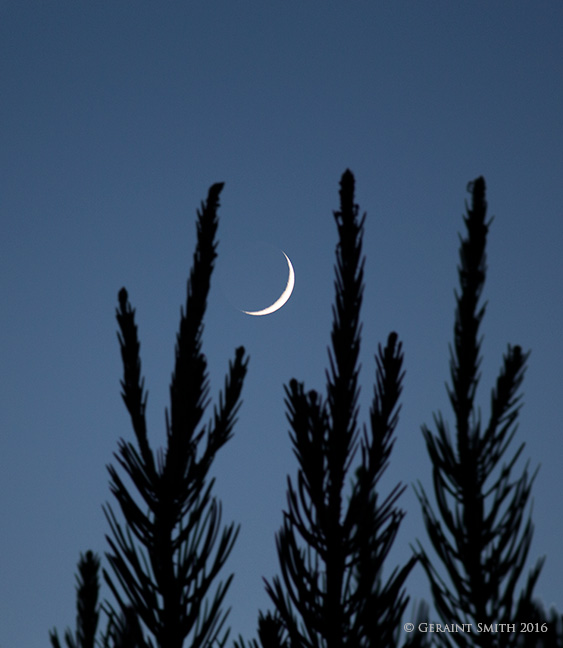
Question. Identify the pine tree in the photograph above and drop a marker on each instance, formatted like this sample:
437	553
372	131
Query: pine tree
87	608
332	549
479	534
166	558
271	633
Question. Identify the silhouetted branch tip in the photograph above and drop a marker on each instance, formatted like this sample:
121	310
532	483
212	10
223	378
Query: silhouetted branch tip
122	298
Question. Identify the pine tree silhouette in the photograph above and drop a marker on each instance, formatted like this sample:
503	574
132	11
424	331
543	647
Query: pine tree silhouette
480	533
121	632
271	633
88	611
332	549
167	557
166	560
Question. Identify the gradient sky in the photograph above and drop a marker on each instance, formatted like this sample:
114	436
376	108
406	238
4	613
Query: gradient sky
115	119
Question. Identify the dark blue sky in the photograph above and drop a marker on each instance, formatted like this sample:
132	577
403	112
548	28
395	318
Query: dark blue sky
115	119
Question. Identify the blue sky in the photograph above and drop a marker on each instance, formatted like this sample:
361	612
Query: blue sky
116	118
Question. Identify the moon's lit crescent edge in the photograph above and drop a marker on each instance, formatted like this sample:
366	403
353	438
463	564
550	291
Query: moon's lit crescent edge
282	299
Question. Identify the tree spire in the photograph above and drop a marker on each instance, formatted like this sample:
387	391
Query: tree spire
482	539
333	542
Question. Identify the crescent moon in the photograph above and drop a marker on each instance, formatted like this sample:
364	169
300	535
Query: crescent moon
282	299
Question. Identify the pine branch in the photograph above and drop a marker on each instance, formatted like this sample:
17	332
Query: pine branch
270	634
189	387
133	393
87	590
374	525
